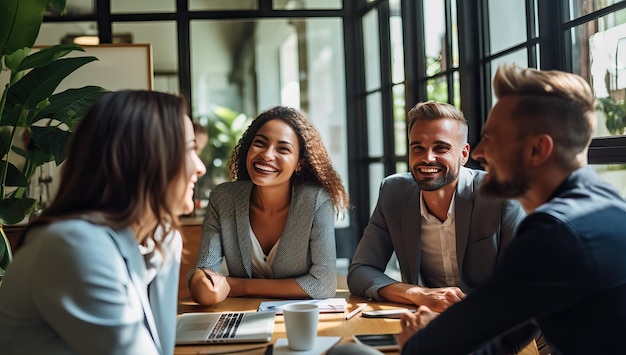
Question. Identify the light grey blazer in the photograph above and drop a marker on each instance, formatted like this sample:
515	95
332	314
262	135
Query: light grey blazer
484	226
306	250
79	288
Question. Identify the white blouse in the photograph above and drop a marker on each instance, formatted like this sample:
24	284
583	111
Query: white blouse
261	263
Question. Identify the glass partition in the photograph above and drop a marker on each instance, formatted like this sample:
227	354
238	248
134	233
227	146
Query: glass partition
204	5
162	37
599	50
306	4
371	48
507	24
580	8
152	6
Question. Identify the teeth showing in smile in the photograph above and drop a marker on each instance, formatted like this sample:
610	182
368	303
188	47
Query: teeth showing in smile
428	170
269	169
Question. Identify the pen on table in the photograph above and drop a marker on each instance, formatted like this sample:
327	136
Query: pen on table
356	310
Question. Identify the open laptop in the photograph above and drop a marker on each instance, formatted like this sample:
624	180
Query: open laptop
225	327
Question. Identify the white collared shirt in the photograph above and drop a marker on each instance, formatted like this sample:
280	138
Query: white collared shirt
439	267
261	263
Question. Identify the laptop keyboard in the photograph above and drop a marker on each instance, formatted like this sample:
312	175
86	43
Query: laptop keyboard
226	326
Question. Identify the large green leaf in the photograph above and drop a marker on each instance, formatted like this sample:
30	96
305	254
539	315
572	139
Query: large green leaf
40	83
5	138
69	106
11	116
13	210
20	21
6	256
36	155
52	141
14	175
47	55
13	61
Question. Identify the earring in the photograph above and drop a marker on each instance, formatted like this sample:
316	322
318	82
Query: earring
298	172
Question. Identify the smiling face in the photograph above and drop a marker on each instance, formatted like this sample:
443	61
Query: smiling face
501	153
436	152
274	154
193	168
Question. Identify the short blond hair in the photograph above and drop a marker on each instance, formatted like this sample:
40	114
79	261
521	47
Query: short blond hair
432	110
553	102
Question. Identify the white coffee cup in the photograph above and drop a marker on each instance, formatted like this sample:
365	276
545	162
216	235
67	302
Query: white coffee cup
301	325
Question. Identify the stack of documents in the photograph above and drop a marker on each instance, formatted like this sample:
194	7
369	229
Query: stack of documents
329	305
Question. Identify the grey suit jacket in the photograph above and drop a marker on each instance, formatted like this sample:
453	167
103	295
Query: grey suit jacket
483	228
306	250
79	288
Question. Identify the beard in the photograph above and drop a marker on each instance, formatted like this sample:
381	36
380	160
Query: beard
515	187
435	184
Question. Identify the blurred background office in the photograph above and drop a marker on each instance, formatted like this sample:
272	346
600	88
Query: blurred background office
356	67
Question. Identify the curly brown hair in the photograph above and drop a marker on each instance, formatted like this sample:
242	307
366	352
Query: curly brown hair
316	165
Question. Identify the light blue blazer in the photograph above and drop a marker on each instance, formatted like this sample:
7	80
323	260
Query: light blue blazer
75	287
306	250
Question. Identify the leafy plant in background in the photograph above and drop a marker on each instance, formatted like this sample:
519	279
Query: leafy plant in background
35	124
225	126
615	113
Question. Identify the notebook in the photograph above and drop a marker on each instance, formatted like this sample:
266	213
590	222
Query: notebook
329	305
224	327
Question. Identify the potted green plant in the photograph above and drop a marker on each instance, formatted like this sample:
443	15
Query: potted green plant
225	126
35	122
615	112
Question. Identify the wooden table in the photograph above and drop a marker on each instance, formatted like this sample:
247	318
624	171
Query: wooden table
330	324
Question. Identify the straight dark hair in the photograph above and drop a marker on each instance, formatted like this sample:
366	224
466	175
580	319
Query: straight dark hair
121	162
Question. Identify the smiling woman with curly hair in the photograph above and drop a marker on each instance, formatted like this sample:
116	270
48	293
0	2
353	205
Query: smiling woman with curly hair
274	225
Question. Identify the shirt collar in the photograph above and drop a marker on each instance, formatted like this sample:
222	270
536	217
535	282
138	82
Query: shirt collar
424	211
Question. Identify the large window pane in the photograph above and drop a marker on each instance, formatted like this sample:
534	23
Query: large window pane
507	24
518	57
437	89
580	8
399	120
52	33
372	50
305	4
126	6
196	5
374	124
402	167
600	48
455	38
397	47
75	8
376	175
435	36
162	37
613	174
456	100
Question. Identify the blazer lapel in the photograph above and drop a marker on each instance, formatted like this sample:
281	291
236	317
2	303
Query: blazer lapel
136	267
411	230
242	218
464	203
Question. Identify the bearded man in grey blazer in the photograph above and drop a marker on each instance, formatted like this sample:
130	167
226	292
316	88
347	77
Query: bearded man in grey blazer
447	237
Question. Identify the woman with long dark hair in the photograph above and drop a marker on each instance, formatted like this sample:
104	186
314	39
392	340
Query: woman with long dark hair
98	271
